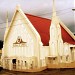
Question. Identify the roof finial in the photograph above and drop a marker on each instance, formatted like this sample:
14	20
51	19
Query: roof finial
7	19
18	6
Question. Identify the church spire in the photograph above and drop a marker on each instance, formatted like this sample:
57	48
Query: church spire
7	20
6	26
53	11
54	16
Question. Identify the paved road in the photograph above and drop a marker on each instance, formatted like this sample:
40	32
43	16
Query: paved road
45	72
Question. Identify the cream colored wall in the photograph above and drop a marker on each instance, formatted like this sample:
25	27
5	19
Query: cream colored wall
20	28
53	40
66	49
67	58
44	52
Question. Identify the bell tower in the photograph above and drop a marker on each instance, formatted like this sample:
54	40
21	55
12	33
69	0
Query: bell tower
53	34
56	42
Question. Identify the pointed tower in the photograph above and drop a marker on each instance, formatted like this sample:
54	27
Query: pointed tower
56	42
59	44
59	41
6	26
53	34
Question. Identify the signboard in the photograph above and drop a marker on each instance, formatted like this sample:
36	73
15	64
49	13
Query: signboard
19	42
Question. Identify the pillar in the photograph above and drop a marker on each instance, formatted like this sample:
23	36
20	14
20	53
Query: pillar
10	64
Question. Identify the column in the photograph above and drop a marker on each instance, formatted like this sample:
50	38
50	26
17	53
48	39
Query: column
10	64
3	63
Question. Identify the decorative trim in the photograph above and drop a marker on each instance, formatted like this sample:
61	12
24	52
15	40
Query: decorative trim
19	42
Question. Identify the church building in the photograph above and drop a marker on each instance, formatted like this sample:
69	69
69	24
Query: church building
32	43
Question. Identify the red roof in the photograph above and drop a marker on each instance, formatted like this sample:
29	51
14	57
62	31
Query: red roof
42	25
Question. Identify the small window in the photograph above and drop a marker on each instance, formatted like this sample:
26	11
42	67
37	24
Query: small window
53	58
25	63
14	61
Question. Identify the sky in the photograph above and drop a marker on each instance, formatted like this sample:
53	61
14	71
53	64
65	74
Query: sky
42	8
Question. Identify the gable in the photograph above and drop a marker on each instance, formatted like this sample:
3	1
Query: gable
27	23
41	28
42	25
19	27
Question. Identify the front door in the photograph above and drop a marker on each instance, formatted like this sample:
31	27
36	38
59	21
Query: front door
14	63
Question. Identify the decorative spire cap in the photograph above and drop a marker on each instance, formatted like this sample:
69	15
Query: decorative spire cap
18	6
7	19
54	11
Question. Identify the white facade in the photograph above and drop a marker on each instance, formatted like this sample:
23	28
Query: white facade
23	48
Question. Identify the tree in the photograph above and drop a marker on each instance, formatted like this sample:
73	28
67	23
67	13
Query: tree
1	44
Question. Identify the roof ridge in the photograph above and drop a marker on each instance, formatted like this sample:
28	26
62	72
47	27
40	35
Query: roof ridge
36	16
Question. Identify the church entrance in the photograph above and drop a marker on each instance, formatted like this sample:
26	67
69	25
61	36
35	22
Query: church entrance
14	63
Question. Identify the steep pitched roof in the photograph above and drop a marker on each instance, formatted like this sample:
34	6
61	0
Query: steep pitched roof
42	25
